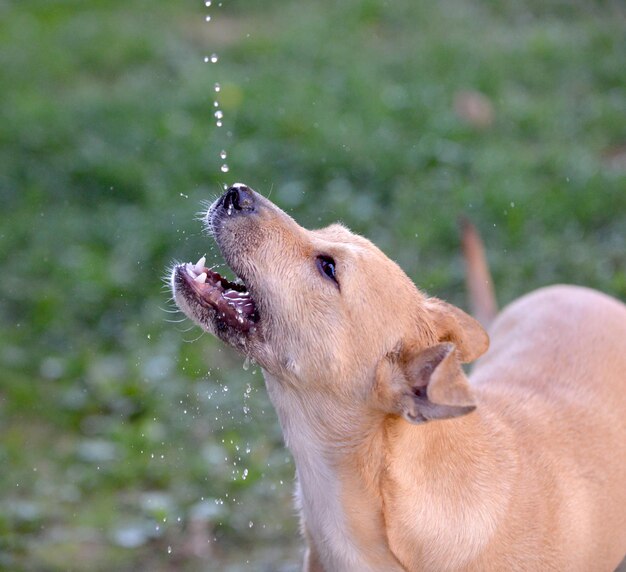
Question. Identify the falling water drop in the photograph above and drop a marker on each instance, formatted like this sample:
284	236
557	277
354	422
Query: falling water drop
219	114
217	88
208	3
246	363
225	168
223	154
208	18
214	58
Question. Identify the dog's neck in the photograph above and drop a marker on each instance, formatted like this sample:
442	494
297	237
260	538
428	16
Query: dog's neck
345	478
338	496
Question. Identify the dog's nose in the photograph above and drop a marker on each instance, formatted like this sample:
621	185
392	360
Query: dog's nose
238	197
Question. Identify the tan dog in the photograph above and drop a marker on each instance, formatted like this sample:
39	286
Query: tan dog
402	462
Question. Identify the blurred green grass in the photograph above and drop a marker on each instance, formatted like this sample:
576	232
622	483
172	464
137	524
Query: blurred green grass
124	439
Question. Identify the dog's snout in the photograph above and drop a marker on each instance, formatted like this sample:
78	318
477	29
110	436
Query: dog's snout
239	198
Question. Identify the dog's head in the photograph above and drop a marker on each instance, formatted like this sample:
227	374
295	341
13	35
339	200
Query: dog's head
326	309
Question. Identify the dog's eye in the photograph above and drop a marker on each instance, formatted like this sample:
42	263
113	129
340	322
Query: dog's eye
326	265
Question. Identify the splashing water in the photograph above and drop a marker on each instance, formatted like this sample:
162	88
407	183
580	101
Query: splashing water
217	88
218	117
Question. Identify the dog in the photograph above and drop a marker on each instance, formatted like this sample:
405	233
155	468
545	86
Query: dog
403	463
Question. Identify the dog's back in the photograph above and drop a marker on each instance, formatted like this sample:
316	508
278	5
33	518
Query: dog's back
556	375
555	379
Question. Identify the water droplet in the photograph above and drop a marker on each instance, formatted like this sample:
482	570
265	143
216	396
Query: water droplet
244	476
246	363
217	88
223	154
206	59
208	3
208	18
250	524
219	114
169	549
225	168
214	58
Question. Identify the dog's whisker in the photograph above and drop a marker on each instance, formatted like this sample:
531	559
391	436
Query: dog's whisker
195	339
174	310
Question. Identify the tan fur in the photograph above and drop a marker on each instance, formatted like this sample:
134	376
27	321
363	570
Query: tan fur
478	278
405	464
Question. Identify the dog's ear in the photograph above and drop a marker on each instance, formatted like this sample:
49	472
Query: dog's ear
436	387
453	325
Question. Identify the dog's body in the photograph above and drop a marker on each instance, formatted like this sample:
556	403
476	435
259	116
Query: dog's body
402	463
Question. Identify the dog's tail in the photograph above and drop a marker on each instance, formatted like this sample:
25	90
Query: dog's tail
483	304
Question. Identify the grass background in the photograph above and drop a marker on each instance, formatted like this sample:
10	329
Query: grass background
126	443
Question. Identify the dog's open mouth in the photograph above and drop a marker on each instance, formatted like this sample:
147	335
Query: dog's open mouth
231	301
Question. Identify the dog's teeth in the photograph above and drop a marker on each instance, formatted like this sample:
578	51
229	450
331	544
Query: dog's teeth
199	266
201	278
190	268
